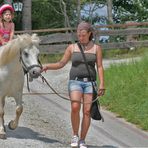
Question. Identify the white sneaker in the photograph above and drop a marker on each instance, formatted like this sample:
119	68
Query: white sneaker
74	141
82	144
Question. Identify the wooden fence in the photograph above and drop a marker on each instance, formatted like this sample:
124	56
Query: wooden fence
58	39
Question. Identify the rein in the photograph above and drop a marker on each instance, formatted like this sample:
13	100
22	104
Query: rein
26	71
63	97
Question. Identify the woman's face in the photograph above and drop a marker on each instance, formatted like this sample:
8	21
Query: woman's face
7	15
83	36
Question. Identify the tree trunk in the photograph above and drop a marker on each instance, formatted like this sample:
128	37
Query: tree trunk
26	18
79	10
109	11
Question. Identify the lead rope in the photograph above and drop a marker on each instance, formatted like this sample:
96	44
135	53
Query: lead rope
63	97
27	82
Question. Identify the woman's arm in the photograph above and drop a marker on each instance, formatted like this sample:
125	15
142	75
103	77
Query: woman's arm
66	57
100	70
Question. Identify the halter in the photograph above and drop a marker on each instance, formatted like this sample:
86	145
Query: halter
27	69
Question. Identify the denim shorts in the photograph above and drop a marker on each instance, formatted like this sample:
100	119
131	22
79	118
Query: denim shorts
84	87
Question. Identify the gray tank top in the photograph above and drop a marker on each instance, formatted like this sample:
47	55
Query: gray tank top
78	68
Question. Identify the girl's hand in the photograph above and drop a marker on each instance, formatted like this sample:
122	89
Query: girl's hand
4	43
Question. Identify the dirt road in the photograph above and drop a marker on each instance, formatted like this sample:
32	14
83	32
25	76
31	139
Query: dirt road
45	122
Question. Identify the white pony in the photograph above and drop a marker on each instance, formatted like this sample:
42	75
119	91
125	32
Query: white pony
18	54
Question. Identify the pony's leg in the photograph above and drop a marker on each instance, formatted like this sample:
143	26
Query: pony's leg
13	124
2	127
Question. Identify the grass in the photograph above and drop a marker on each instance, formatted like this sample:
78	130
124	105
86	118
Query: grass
45	58
123	53
127	91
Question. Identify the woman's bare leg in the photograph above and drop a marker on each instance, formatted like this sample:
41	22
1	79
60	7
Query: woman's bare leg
86	116
75	111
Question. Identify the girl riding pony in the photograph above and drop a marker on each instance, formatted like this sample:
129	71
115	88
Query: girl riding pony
6	24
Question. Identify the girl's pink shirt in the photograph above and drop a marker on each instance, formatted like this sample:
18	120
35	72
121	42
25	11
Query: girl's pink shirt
5	33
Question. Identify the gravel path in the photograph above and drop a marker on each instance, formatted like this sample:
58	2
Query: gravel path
45	122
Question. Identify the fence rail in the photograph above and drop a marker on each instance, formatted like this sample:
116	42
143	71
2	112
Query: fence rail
57	39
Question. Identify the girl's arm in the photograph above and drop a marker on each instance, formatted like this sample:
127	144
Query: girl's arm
12	31
1	39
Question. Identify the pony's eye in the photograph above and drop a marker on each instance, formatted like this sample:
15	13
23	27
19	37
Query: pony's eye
26	54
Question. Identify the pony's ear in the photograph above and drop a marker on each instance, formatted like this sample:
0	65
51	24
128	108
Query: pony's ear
35	39
24	37
25	40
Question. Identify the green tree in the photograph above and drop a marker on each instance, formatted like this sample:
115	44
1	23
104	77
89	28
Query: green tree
47	14
63	13
1	2
130	10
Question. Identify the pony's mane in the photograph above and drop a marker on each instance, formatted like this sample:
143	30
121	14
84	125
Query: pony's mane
12	48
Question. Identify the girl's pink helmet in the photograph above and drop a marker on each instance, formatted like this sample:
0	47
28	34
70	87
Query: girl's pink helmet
6	7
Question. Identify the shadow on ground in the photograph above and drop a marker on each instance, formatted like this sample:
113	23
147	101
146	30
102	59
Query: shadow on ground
27	133
104	146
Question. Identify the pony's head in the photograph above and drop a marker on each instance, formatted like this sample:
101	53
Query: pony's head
30	57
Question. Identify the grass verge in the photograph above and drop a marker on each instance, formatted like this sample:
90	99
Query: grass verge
127	91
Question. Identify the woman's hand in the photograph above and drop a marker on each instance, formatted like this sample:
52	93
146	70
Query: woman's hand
44	68
101	91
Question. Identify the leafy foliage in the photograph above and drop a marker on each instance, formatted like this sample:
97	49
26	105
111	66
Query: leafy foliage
45	14
133	10
1	2
61	13
50	13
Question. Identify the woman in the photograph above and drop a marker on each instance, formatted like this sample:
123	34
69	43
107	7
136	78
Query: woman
80	86
6	24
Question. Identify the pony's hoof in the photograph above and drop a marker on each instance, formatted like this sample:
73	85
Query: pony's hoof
11	125
3	136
